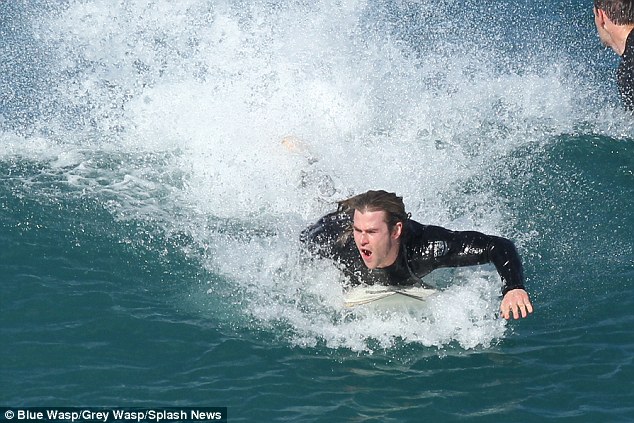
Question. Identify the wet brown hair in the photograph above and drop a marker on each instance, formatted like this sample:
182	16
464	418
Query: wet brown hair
379	200
621	12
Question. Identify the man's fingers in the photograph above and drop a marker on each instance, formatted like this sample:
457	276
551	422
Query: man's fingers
504	311
516	310
507	311
516	303
526	307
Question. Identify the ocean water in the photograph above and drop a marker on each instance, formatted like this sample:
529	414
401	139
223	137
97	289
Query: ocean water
149	213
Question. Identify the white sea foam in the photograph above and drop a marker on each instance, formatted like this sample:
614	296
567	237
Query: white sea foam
175	112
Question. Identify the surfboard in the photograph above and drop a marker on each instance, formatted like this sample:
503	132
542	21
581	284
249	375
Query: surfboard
386	295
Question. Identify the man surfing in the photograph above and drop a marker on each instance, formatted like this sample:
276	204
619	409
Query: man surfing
374	241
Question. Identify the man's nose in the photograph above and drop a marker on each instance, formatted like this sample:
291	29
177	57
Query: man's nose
364	239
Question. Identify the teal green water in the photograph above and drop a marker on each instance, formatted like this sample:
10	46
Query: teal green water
149	216
95	313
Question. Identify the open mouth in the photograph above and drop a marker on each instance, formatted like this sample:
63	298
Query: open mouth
365	253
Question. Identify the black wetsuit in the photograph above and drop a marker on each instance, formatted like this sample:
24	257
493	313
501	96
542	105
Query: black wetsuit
423	249
625	73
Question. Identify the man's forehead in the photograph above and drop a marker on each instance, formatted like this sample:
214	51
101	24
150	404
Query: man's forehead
370	217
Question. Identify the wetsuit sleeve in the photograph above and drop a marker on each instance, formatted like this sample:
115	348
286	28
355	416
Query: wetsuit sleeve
324	237
466	248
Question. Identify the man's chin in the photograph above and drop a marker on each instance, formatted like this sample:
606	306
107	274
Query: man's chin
370	265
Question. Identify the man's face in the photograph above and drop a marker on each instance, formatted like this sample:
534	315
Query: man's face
602	22
377	245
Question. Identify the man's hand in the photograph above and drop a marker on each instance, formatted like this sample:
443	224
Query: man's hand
516	302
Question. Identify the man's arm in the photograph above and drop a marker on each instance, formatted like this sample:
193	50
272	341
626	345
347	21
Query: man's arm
465	248
503	254
468	248
322	238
